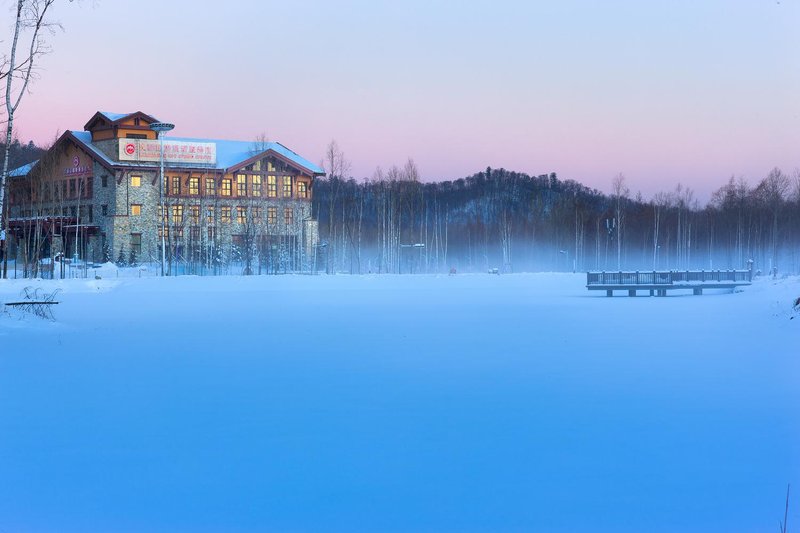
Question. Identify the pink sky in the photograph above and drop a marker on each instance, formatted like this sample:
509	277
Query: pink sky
664	92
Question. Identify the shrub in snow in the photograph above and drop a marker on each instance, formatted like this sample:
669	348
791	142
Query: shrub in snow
121	261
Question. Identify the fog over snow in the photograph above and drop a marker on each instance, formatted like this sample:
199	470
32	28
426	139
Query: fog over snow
361	403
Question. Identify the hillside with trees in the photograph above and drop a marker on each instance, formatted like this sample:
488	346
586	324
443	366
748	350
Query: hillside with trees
516	222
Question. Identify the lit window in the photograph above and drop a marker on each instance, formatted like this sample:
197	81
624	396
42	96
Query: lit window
272	215
241	185
288	215
287	186
256	185
302	189
176	185
272	186
136	181
241	215
194	186
226	187
177	215
136	209
211	187
225	214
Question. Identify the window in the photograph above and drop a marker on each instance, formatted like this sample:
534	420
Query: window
178	232
287	186
89	187
257	166
272	186
256	185
136	122
302	189
194	215
104	181
288	215
211	233
104	210
258	215
225	214
241	185
210	214
136	210
177	215
90	209
270	166
136	244
194	233
176	185
136	181
272	215
135	136
194	186
163	232
72	192
241	215
226	187
211	187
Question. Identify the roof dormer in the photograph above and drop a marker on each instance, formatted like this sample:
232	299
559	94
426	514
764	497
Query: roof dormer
104	125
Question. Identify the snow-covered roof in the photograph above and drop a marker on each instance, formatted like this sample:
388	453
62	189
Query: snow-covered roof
229	153
113	117
22	171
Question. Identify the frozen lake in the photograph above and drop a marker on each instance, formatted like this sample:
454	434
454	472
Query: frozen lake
471	402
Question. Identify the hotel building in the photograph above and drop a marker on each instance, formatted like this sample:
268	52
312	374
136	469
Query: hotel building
96	195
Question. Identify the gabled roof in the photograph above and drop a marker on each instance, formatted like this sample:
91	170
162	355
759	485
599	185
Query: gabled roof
22	171
231	155
116	118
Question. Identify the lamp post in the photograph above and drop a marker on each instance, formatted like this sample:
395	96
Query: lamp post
159	128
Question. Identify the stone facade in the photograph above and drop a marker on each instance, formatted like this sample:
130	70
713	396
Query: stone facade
117	205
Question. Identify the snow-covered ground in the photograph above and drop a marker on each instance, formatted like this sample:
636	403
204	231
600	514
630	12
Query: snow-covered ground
471	402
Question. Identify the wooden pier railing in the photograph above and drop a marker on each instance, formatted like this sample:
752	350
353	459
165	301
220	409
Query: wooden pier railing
658	282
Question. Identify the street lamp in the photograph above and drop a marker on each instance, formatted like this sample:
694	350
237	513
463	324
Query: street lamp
159	128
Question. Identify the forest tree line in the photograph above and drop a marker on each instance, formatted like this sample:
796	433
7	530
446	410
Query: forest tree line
394	222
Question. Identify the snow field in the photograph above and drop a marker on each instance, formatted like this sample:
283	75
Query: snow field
471	402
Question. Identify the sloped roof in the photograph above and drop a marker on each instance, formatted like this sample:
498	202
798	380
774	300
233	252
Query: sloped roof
229	153
22	171
113	117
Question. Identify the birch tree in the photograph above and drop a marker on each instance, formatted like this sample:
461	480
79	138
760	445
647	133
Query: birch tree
17	71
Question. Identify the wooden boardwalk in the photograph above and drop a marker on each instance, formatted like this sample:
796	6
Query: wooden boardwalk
659	282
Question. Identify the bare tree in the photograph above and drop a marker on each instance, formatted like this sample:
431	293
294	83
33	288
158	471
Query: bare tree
620	192
31	17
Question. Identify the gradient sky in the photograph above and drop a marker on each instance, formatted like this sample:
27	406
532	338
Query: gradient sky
663	91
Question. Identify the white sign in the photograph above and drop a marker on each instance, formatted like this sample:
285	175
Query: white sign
174	151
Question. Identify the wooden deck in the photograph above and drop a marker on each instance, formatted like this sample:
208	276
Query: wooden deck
659	282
